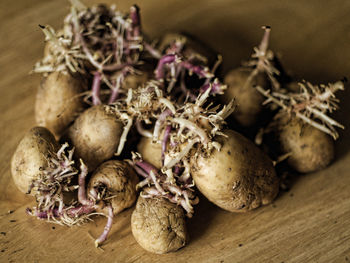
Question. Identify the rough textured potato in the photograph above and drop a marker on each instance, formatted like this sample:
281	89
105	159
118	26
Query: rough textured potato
31	156
249	101
95	135
151	152
158	225
58	102
310	148
120	180
237	178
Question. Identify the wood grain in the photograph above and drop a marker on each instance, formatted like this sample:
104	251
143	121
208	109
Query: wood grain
310	223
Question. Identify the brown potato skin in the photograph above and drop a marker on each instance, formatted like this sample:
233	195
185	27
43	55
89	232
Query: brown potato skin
95	135
58	102
150	152
133	81
31	156
249	100
311	149
121	181
159	225
239	177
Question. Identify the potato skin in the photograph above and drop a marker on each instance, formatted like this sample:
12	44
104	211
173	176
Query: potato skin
133	81
31	156
311	149
249	101
239	177
58	102
158	225
150	152
121	181
95	135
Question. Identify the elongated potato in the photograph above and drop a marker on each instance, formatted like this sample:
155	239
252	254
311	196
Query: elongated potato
95	135
119	181
32	157
158	225
249	101
239	177
310	148
58	101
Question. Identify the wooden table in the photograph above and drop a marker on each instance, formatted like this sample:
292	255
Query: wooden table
310	223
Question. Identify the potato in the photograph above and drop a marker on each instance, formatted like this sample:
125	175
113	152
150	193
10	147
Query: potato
158	225
238	178
32	157
150	152
249	101
95	135
310	148
133	81
58	101
119	179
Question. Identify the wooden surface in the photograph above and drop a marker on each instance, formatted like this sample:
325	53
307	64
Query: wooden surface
310	223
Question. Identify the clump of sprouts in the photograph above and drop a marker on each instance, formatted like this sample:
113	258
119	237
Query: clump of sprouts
311	104
100	42
187	127
63	55
50	189
262	61
175	66
177	189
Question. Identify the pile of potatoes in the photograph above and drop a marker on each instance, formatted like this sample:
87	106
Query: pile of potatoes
235	174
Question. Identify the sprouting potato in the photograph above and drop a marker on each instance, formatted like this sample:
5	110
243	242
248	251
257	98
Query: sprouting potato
116	181
249	101
32	156
302	127
158	225
310	149
59	101
237	178
95	135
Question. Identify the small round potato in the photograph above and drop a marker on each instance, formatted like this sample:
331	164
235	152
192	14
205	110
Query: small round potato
120	180
58	101
249	101
32	156
95	135
158	225
150	152
239	177
310	148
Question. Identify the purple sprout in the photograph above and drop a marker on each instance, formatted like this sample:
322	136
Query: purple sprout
96	86
174	67
165	185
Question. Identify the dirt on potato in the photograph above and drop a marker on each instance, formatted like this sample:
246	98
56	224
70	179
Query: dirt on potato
158	225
